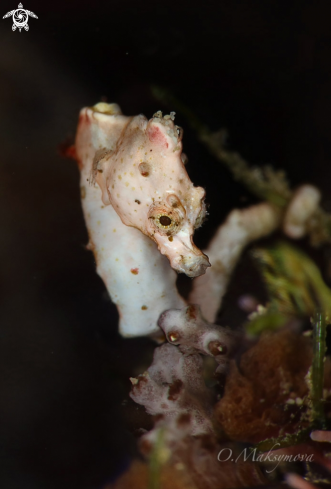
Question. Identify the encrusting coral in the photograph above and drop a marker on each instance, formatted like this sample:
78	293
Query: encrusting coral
266	394
174	385
302	207
240	228
193	334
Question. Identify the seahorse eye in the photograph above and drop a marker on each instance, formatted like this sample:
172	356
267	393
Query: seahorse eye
165	220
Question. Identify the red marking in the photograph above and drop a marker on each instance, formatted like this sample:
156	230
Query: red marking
135	271
84	118
67	149
71	152
192	311
156	136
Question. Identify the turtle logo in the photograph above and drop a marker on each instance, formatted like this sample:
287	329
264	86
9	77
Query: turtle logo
20	18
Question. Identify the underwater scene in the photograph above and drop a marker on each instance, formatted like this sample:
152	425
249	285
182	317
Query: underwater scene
166	245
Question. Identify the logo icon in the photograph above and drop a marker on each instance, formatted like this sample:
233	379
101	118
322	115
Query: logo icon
20	18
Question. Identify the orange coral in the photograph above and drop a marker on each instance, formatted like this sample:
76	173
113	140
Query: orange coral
264	395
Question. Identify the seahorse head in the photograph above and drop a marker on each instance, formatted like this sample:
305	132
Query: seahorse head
143	177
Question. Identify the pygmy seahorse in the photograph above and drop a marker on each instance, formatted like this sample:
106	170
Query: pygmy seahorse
135	187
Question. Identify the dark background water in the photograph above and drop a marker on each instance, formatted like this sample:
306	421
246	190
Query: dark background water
260	68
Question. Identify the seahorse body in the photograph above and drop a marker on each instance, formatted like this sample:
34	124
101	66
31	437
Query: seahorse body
135	187
138	278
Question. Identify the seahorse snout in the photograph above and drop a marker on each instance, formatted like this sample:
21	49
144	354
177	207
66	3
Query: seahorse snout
190	261
183	255
194	266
